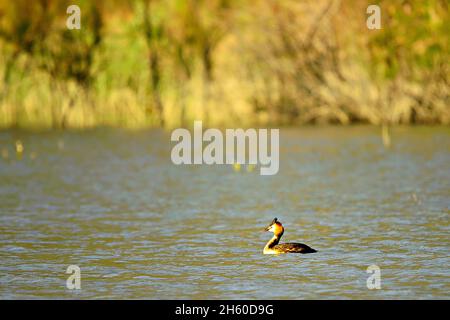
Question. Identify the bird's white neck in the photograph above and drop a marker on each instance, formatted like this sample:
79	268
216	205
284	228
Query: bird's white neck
273	242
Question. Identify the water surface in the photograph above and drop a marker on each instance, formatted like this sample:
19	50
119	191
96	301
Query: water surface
111	202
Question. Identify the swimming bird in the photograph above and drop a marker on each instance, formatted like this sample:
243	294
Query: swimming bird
272	247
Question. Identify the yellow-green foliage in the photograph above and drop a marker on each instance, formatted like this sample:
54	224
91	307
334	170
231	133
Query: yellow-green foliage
228	62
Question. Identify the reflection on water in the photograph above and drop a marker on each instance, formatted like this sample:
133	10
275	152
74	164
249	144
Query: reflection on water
111	202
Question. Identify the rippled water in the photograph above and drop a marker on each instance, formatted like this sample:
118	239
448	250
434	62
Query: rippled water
111	202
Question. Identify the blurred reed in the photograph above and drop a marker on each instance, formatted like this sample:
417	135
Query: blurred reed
244	63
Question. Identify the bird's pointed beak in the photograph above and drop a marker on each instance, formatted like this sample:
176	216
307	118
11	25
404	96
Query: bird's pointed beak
270	225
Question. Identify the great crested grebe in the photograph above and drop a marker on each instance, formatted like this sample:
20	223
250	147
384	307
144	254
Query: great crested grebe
272	247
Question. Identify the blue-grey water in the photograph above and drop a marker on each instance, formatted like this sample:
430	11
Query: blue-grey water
111	202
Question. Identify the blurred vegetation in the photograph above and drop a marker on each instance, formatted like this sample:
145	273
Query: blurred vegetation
228	62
